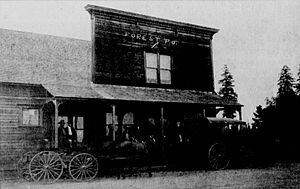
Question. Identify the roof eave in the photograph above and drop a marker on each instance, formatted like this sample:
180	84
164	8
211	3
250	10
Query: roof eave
92	9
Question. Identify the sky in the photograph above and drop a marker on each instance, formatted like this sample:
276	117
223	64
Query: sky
255	39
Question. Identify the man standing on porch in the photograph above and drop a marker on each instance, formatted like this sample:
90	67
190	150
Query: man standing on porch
62	136
71	135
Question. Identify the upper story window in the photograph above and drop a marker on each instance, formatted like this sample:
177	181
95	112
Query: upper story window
158	68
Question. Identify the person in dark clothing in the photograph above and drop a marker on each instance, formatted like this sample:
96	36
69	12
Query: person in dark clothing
150	130
62	135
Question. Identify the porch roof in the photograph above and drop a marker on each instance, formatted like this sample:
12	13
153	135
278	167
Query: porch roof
140	94
72	91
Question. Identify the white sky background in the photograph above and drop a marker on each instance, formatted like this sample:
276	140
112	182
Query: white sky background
255	40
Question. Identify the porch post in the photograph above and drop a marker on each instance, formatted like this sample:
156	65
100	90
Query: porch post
113	122
162	120
162	129
55	123
240	113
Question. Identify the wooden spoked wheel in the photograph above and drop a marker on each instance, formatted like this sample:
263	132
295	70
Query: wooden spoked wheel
23	165
83	167
218	156
46	166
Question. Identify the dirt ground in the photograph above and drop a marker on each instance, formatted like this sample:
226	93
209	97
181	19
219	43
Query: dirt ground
277	176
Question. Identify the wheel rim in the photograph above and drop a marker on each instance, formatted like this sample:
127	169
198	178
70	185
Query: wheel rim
46	166
218	157
83	166
23	165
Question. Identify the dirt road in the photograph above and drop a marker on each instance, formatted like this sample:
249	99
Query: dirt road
278	176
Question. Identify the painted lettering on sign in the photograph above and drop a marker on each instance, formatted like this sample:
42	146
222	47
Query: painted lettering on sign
151	38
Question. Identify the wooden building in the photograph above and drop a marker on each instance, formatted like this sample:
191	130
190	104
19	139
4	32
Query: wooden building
135	68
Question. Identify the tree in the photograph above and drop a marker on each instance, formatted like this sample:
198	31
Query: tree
286	96
285	83
278	120
297	86
227	92
258	117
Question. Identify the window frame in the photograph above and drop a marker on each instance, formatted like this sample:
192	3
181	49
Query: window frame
158	68
30	107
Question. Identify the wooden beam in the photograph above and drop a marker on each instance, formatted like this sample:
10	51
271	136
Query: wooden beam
55	123
162	122
162	127
113	122
240	113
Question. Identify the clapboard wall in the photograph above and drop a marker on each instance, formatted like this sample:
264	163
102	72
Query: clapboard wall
16	138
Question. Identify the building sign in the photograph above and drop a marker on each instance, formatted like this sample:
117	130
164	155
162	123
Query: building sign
151	38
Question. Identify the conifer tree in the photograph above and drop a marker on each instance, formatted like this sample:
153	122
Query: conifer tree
297	86
258	117
285	83
227	92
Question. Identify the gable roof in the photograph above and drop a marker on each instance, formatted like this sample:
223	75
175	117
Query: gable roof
9	89
38	58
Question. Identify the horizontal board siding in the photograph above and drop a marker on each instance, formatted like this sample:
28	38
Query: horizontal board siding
16	136
9	117
9	113
16	139
8	123
8	110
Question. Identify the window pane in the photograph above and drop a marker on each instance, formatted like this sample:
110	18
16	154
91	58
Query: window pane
79	135
151	60
151	75
165	62
30	117
109	119
128	119
165	76
79	124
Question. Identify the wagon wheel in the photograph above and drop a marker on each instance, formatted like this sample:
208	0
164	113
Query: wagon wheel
218	156
83	166
23	165
46	166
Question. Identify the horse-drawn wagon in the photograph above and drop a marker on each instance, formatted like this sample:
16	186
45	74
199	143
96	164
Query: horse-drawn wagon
208	141
49	166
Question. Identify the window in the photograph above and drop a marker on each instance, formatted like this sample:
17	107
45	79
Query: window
78	123
158	68
109	124
30	116
120	130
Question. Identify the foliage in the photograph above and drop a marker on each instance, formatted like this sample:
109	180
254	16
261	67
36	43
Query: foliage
297	85
258	117
285	83
277	121
227	92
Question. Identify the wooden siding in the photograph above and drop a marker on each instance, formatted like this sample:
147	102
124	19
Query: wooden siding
121	40
15	138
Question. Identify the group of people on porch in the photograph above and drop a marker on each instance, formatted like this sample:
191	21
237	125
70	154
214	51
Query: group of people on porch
67	136
175	132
